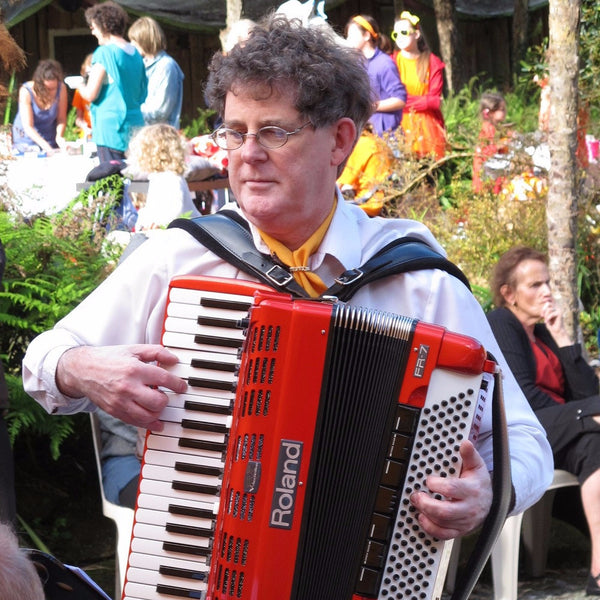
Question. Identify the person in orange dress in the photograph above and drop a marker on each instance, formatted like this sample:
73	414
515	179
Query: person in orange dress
421	72
369	165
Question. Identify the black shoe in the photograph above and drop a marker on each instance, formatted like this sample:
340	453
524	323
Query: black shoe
592	588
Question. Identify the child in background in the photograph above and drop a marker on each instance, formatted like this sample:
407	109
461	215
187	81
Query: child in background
492	139
83	119
159	151
422	72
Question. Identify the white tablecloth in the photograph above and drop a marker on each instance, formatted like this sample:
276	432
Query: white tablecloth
46	185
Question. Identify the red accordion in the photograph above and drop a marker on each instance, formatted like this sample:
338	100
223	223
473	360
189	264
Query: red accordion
286	469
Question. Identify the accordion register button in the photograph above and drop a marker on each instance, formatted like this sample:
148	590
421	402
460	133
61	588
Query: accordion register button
406	419
393	473
375	555
368	583
400	446
386	501
380	527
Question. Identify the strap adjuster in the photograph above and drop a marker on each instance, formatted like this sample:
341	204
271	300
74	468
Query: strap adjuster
350	276
279	276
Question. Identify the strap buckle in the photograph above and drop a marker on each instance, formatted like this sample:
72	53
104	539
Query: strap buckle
279	276
349	277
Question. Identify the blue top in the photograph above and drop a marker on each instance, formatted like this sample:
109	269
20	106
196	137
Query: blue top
116	110
165	90
385	83
44	120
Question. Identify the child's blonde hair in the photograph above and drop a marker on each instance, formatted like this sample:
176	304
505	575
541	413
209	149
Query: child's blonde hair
156	148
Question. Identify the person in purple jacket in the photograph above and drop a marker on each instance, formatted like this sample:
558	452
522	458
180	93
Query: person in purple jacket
389	93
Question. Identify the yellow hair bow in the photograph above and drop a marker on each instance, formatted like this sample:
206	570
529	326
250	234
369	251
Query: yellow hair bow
412	19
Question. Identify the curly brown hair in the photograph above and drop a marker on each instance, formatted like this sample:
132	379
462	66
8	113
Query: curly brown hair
109	17
329	80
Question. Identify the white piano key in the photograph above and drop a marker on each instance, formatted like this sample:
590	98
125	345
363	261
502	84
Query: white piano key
158	473
140	591
175	430
155	517
185	357
191	311
163	503
155	561
155	578
187	372
178	415
172	339
168	459
179	400
171	443
176	325
155	532
155	548
164	488
188	296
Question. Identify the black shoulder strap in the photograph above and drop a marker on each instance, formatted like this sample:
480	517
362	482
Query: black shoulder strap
227	234
399	256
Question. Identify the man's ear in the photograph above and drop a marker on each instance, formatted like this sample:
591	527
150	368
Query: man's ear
344	139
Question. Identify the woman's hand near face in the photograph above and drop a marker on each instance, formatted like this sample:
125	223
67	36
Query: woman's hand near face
554	322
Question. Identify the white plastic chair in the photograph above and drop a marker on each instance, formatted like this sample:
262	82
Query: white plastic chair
533	528
121	515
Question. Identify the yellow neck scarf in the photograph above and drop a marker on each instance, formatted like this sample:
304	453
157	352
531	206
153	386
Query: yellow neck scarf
297	260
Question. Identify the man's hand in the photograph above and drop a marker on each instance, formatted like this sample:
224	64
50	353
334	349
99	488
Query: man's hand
468	498
121	380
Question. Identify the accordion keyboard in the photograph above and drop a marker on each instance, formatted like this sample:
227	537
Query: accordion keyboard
180	482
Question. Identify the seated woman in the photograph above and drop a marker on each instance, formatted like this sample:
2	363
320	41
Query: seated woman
42	117
556	379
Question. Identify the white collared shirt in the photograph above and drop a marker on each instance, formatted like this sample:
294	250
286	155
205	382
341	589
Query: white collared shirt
128	308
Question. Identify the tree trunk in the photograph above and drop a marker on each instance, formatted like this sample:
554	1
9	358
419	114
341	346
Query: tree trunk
519	33
562	193
233	15
445	16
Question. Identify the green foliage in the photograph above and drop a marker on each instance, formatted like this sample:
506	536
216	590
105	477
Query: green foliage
200	125
52	264
72	132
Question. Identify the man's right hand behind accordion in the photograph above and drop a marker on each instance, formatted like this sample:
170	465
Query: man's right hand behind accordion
292	100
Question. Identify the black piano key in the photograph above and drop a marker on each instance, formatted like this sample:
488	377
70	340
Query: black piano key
199	469
205	407
212	384
183	573
226	304
198	488
190	511
223	342
186	549
204	426
213	365
218	322
202	445
203	532
170	590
